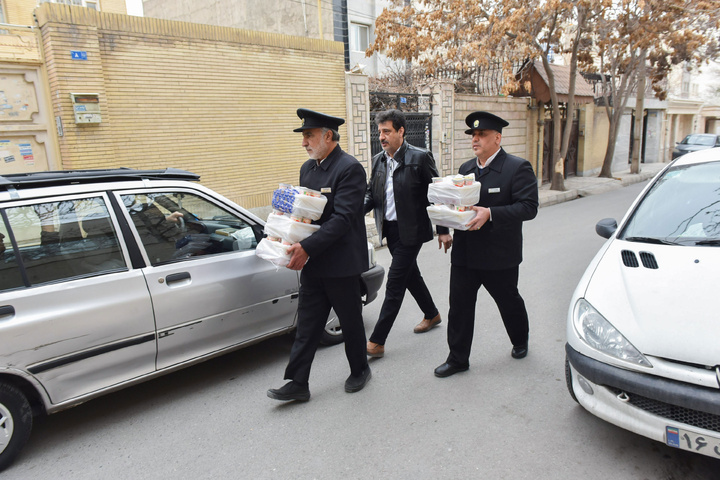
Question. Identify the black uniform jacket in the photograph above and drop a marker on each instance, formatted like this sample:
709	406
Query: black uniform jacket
415	170
339	248
509	188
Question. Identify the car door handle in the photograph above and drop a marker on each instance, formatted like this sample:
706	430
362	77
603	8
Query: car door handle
7	311
177	277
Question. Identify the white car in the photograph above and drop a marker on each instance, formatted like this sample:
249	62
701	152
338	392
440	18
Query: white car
643	330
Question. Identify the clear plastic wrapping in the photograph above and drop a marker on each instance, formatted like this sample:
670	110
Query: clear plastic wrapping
299	201
448	216
288	228
448	191
273	251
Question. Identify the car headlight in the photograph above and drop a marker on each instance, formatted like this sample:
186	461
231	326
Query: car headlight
601	335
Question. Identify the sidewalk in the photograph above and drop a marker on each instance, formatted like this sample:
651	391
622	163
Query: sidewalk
576	187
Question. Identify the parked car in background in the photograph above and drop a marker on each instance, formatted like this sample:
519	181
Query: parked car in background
643	329
695	142
109	278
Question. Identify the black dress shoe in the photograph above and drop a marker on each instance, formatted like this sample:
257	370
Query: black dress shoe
290	391
519	352
447	369
355	384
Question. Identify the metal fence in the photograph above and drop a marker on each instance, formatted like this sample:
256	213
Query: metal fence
416	108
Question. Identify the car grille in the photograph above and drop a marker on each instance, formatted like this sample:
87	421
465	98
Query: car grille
708	421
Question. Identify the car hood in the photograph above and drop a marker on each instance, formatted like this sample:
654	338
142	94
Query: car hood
668	311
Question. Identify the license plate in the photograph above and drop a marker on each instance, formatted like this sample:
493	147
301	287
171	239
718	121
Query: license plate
686	440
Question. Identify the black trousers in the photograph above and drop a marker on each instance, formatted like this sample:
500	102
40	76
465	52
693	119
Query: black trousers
403	274
464	286
317	297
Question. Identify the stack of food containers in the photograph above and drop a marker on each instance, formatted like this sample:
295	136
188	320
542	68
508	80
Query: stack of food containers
294	209
453	198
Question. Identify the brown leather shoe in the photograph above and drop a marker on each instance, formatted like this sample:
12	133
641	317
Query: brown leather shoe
375	350
427	324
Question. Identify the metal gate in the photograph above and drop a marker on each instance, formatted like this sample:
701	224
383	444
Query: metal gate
571	157
417	115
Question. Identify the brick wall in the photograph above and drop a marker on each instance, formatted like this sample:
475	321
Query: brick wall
217	101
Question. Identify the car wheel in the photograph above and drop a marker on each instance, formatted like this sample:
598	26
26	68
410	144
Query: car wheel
332	335
15	423
568	380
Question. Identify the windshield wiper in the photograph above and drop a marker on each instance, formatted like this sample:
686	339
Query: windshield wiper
708	242
658	241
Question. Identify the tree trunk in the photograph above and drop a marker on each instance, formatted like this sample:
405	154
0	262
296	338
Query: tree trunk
557	182
606	171
639	115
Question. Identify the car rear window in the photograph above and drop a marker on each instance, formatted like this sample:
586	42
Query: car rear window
10	276
59	240
704	140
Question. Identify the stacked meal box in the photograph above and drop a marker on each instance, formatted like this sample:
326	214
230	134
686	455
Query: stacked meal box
452	199
294	209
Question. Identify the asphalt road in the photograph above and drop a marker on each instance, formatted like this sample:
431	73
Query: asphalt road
503	419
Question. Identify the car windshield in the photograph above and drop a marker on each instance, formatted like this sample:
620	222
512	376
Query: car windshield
704	140
682	207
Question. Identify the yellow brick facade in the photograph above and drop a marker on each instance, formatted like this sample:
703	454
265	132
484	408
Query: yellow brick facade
19	12
216	101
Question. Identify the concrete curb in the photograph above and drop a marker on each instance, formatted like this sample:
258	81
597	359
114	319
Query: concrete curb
577	187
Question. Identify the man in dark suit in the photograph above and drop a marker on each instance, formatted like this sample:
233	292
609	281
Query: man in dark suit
331	259
397	194
490	251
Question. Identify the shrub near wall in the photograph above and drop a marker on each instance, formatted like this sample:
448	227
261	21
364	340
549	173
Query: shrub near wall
217	101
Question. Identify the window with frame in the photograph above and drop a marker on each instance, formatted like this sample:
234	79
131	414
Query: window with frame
360	37
78	3
61	240
175	226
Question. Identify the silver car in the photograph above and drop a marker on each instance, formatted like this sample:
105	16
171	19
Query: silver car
109	278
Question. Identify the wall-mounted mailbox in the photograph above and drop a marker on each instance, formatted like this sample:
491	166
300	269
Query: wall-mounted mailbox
86	107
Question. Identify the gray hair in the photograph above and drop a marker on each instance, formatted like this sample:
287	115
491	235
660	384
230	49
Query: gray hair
335	134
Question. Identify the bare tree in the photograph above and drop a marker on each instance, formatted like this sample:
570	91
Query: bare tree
643	40
464	34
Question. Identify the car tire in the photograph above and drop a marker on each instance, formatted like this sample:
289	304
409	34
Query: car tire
333	334
568	380
16	421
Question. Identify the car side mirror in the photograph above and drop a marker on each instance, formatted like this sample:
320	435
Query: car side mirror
606	227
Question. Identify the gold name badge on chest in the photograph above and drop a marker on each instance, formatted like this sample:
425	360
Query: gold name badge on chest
326	190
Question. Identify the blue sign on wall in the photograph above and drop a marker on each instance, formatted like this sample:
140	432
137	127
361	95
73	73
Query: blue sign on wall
78	55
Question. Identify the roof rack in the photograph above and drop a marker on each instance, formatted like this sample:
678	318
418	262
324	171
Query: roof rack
67	177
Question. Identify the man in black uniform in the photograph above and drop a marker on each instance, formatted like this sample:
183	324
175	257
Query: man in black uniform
398	195
490	251
331	259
